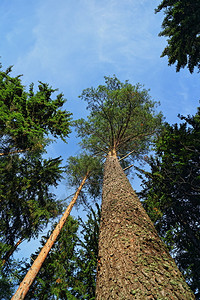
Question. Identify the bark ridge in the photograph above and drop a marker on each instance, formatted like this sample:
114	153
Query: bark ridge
133	262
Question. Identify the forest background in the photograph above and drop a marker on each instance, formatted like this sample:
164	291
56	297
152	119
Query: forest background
72	46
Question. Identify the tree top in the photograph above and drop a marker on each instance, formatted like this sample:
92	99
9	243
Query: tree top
122	119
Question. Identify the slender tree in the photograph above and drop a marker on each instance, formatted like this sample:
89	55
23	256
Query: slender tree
87	165
70	268
171	194
33	271
56	276
133	263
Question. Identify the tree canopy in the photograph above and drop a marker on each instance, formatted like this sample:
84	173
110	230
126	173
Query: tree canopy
27	121
26	118
122	119
77	167
122	123
26	203
181	27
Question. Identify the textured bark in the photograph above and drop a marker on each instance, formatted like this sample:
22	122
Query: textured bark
33	271
133	262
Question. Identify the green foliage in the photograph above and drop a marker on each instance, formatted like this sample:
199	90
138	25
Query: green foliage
171	194
78	167
56	276
87	255
27	203
181	26
26	118
8	278
6	286
122	119
69	270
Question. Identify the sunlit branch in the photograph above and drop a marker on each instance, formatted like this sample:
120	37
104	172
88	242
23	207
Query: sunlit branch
127	155
128	167
136	137
10	252
101	150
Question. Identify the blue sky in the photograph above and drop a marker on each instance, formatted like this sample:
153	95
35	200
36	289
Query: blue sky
73	44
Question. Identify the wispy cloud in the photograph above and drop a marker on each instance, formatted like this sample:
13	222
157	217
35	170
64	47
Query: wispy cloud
73	44
89	34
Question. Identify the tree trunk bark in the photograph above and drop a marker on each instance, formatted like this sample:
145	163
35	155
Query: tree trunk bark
35	268
133	262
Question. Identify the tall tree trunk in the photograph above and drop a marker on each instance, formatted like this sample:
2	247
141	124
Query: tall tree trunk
33	271
133	262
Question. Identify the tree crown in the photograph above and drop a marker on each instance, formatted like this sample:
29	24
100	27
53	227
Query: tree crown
122	119
26	118
85	165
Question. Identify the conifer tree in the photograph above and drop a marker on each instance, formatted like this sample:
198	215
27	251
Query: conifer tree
27	120
133	263
87	254
181	28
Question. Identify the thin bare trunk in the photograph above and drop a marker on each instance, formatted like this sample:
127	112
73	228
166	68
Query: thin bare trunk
128	167
33	271
127	155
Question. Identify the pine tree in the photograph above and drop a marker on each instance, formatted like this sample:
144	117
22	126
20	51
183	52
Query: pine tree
36	266
133	263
